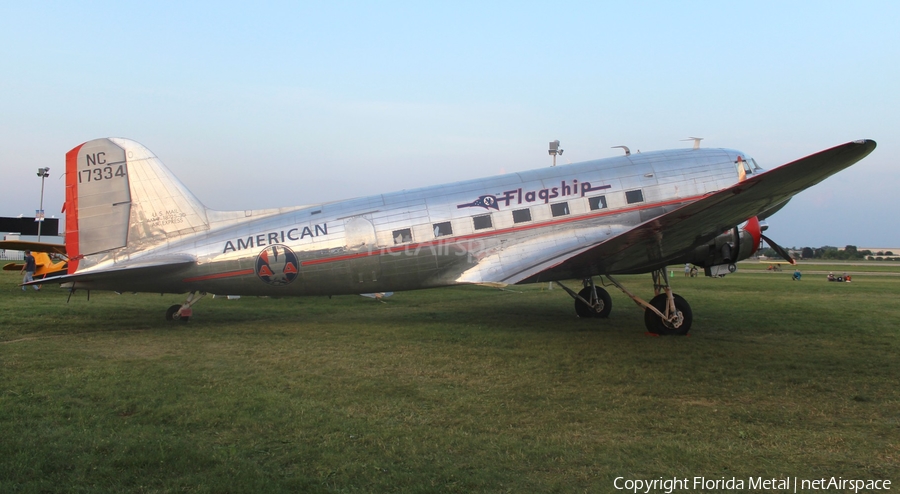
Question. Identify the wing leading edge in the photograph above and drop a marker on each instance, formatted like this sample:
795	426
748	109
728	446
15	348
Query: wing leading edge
656	242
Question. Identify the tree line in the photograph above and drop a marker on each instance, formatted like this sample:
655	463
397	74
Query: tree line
850	252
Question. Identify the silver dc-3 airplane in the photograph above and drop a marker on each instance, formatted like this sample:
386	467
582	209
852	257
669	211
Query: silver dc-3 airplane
131	226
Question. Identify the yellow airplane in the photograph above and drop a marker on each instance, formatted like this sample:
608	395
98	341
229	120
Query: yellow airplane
45	265
776	265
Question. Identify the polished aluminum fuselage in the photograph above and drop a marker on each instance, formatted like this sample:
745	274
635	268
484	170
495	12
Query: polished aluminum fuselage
429	237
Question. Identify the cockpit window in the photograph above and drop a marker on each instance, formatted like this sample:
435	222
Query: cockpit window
747	166
756	168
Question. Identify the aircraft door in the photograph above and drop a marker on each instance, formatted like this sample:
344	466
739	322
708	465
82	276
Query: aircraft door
360	238
359	233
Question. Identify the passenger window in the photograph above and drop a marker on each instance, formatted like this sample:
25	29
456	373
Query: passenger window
559	209
633	196
402	236
598	202
442	229
482	222
521	215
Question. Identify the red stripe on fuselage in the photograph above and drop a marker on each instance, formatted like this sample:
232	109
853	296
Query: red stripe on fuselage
464	238
72	247
216	276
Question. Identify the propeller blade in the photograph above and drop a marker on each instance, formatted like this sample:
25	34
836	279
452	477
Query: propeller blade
736	241
779	249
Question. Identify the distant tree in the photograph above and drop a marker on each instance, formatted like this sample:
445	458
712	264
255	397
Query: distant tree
852	252
888	253
807	253
831	253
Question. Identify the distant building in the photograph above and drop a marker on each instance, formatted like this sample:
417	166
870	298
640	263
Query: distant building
879	253
26	229
895	250
27	226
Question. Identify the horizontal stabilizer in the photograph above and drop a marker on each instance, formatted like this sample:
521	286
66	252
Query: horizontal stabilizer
130	270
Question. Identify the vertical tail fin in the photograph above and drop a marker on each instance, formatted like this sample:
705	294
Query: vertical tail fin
121	199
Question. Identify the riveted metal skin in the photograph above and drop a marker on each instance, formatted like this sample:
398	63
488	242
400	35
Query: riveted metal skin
132	226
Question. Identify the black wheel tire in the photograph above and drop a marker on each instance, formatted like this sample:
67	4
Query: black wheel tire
602	309
656	325
170	314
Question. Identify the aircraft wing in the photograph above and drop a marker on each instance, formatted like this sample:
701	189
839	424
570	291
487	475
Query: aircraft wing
655	243
128	271
34	246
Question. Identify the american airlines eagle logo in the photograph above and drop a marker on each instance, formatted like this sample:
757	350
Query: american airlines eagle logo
487	202
277	265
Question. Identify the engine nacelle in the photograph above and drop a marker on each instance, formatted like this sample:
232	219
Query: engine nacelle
719	255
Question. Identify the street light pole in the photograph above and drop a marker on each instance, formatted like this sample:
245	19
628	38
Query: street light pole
554	150
43	173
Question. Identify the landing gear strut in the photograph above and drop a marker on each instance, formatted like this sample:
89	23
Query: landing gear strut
665	314
184	312
677	323
591	301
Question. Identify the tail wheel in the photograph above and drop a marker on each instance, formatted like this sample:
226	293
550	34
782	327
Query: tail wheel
657	325
599	308
170	314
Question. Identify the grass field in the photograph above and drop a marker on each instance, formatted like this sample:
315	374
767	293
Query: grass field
451	390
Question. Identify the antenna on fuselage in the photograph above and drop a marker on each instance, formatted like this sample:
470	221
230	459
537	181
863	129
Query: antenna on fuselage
696	141
554	150
627	151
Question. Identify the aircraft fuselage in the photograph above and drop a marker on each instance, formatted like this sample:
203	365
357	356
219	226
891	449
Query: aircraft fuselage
441	235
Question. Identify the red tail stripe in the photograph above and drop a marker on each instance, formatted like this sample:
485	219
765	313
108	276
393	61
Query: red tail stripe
71	206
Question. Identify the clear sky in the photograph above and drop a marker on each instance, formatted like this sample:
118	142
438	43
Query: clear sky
262	104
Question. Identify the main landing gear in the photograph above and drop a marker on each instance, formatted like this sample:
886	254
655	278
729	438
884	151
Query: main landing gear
184	312
665	314
591	301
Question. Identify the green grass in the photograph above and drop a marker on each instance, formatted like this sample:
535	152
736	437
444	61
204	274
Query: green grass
451	390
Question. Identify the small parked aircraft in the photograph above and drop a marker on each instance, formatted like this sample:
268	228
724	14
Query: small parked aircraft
132	226
46	266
